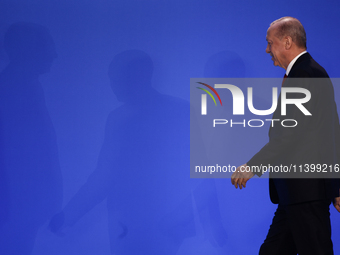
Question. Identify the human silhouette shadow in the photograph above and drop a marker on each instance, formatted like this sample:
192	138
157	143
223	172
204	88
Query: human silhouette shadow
143	169
31	183
229	143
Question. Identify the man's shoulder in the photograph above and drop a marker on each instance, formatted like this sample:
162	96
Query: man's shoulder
307	67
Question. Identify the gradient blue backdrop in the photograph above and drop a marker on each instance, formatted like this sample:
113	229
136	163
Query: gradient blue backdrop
180	36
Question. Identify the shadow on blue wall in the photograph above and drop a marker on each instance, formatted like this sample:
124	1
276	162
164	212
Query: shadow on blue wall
31	183
143	167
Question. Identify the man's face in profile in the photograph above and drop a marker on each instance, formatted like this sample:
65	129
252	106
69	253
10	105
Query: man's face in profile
275	47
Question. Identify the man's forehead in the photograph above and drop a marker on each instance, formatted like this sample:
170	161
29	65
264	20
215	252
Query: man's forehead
267	35
269	32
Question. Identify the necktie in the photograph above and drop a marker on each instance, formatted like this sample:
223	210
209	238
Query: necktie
284	78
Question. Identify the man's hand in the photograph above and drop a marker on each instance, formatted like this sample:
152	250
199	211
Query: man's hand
337	203
241	176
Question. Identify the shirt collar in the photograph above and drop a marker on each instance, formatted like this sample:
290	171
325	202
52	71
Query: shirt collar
289	67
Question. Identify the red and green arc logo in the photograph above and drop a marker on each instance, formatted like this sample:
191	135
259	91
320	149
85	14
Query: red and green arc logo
209	93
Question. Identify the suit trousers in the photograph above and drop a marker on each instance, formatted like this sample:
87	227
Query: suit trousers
302	229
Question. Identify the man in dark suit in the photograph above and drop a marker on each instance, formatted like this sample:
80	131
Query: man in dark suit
301	224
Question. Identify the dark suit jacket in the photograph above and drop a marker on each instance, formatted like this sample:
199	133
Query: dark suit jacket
312	141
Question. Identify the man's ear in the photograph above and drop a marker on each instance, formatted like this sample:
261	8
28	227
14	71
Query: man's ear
288	42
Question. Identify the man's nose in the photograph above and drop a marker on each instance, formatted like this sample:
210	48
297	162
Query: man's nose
267	49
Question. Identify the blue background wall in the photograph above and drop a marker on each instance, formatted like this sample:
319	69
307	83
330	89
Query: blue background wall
180	37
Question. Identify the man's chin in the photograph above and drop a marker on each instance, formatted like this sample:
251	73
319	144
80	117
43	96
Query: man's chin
274	62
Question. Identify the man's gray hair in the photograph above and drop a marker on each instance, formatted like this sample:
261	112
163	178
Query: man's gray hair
289	26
